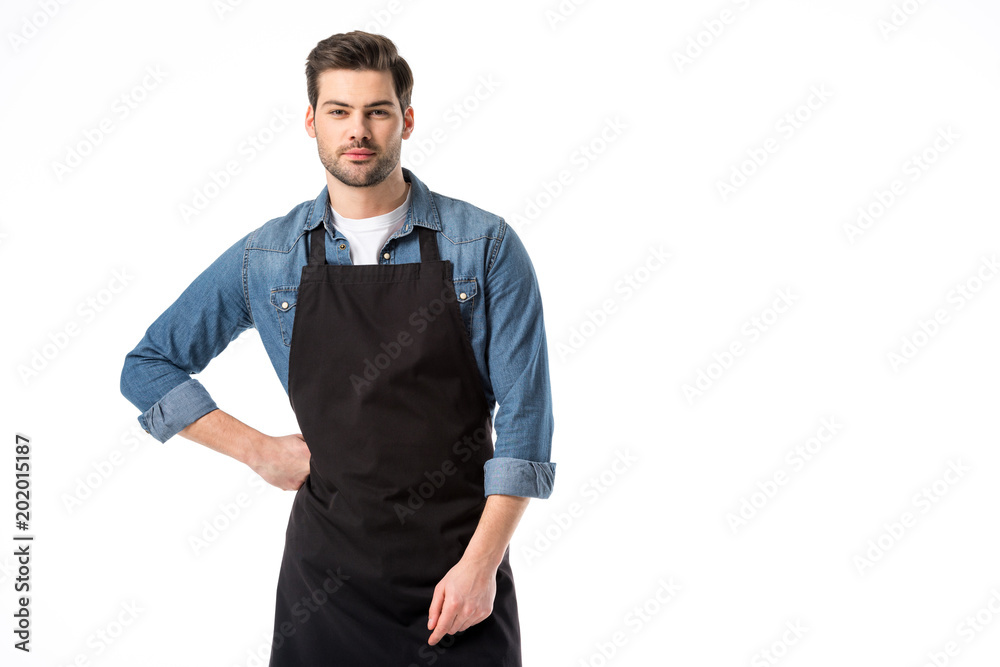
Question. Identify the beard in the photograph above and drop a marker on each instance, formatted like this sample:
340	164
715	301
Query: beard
362	174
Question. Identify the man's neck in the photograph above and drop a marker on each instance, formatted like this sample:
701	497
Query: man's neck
357	203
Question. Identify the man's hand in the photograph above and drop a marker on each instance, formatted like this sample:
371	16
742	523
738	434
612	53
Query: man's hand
462	598
465	595
282	462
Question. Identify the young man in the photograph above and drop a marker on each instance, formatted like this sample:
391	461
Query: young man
396	318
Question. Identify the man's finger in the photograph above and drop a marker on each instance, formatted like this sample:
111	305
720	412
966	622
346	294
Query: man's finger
435	610
442	629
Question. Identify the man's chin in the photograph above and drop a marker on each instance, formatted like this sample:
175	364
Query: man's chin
354	179
352	167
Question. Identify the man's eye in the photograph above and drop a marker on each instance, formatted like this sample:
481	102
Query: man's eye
381	111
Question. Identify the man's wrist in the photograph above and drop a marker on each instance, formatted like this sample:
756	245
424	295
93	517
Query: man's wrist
227	435
496	528
484	559
253	450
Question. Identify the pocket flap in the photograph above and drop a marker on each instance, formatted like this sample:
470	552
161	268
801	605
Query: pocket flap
283	299
465	289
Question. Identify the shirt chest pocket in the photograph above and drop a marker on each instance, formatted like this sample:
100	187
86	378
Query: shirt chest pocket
465	295
283	301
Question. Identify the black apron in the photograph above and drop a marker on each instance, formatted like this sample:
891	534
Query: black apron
385	387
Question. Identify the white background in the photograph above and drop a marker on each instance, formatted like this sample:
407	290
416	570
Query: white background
893	76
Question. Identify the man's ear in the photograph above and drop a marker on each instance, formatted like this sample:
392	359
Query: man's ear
310	122
408	114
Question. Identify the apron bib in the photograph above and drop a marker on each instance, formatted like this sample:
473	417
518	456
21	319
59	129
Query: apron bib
386	391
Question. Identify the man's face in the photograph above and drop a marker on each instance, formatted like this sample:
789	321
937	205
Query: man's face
358	126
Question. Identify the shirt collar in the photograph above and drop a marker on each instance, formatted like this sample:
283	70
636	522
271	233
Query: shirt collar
421	212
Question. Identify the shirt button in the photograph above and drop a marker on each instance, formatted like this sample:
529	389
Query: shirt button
462	296
284	304
342	246
385	255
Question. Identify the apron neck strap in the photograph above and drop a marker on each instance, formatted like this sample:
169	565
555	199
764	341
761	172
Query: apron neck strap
428	245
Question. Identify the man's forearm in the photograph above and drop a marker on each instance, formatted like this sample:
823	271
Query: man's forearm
224	433
496	528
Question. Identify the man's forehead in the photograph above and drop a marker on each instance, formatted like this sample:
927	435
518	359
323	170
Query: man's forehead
367	88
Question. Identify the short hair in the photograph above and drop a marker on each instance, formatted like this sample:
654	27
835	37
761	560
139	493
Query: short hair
358	50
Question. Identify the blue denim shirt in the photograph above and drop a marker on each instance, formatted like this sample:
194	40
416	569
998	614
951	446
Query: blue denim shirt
254	284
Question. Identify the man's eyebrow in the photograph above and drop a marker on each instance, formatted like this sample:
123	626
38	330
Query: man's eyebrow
380	103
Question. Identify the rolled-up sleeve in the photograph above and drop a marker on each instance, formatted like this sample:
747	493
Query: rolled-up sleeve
517	358
210	313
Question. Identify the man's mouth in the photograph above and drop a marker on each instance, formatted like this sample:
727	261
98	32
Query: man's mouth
358	154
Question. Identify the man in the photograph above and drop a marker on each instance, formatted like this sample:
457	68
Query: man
396	319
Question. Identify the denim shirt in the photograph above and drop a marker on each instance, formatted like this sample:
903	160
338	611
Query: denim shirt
254	283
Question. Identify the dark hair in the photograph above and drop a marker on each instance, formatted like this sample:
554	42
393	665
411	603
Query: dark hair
358	50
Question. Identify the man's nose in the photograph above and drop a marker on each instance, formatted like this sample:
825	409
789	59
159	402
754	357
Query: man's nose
360	131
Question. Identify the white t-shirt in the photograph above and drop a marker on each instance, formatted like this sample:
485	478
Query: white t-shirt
368	235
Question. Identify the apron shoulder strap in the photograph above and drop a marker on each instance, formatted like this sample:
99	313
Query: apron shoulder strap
428	244
317	245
